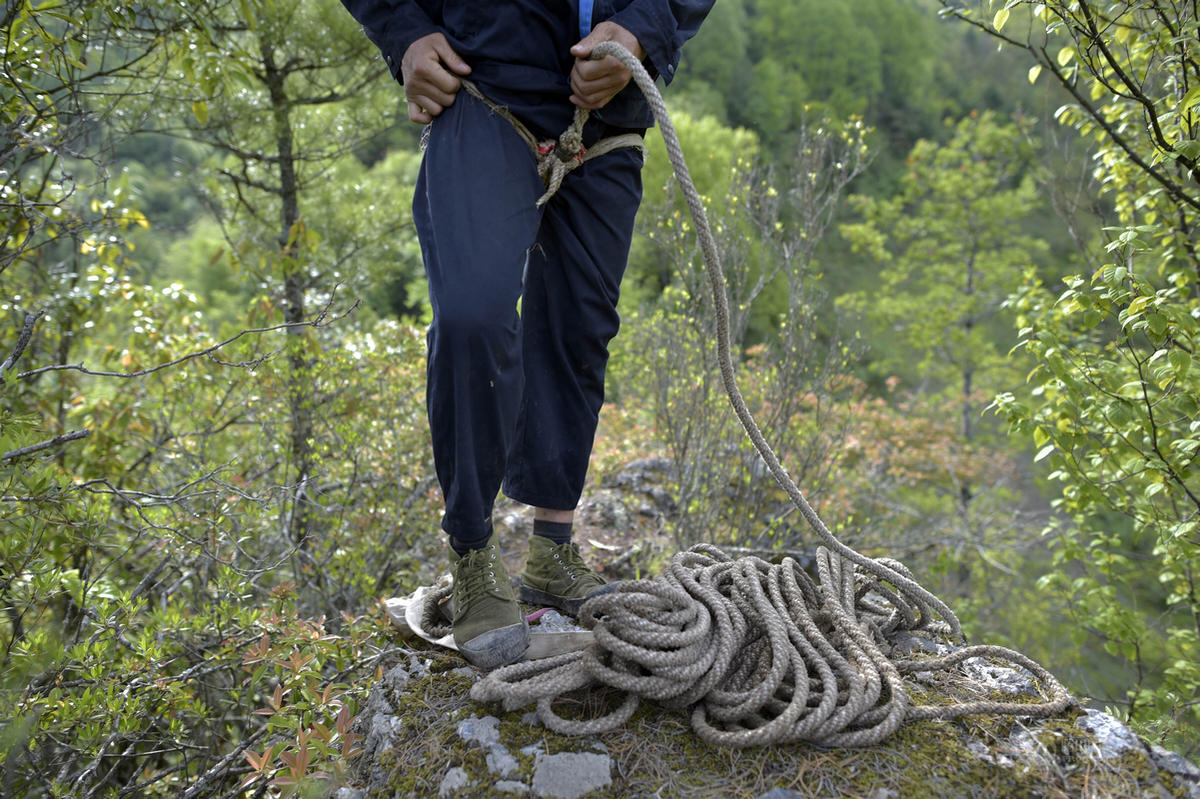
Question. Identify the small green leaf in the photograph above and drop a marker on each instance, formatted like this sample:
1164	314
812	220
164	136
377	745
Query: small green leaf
1181	360
1065	55
200	110
1000	18
1043	452
1034	71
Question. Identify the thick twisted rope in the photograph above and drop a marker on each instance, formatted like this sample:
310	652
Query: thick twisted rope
761	653
555	159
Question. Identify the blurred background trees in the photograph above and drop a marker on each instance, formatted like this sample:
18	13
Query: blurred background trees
213	454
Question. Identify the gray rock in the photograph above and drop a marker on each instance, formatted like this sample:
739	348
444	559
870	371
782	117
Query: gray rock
780	793
568	775
1011	680
396	679
512	786
347	793
1112	737
455	780
1185	772
554	622
483	731
500	761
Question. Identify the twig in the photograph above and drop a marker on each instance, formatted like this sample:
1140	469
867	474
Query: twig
22	343
320	321
54	442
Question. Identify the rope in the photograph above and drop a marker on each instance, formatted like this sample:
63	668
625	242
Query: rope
762	653
556	159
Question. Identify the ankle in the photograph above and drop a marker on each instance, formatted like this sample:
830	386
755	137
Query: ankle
558	532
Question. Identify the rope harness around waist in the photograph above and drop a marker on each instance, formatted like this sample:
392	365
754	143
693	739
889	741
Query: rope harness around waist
555	159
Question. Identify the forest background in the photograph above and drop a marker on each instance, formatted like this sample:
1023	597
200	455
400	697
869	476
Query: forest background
961	250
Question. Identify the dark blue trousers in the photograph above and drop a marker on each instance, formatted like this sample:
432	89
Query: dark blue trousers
524	305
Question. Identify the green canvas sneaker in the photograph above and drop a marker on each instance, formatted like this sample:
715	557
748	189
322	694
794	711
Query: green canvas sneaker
556	576
489	628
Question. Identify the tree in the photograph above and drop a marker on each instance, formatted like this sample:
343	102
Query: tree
664	359
158	631
952	253
1113	408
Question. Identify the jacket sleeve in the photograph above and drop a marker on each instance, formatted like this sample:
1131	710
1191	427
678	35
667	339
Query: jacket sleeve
392	25
662	26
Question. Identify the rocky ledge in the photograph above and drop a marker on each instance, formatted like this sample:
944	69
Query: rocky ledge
425	737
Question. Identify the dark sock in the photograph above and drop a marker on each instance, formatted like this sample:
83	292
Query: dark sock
462	546
558	532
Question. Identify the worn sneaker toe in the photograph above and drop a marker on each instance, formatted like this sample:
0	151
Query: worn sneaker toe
496	648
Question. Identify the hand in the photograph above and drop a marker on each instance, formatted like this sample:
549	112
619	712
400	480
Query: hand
594	83
430	69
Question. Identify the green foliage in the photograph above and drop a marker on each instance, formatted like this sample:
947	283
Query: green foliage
154	592
951	250
664	362
1113	409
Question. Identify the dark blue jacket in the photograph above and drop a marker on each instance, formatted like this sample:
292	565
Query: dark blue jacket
519	49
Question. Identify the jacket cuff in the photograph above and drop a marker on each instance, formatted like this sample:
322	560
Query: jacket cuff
397	45
652	22
392	26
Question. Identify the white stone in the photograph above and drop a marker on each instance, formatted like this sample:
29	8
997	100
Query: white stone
569	775
512	786
455	780
1112	737
500	761
483	731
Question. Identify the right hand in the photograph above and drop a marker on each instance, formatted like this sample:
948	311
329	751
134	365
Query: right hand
430	69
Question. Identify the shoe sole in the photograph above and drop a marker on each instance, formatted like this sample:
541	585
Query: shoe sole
498	647
568	605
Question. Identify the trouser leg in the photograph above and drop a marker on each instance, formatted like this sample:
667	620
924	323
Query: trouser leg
569	315
475	215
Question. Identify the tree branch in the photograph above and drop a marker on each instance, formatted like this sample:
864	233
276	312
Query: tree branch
65	438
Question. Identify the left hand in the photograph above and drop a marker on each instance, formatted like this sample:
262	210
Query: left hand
594	83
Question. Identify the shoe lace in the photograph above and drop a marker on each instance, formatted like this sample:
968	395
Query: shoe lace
476	575
568	558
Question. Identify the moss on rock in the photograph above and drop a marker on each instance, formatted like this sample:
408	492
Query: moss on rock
656	754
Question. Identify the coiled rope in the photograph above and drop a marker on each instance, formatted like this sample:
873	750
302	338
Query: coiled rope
762	653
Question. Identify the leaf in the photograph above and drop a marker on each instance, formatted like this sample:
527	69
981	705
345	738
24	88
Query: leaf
1034	71
200	111
1181	360
1043	452
1000	18
1191	98
1065	55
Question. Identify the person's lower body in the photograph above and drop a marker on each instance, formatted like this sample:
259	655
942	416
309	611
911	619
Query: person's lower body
514	391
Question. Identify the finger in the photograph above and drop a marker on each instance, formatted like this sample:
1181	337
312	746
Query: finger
450	58
593	100
594	70
418	114
584	48
429	106
432	78
589	91
423	90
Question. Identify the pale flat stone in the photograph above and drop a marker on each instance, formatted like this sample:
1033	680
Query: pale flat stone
500	761
455	780
483	731
569	775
